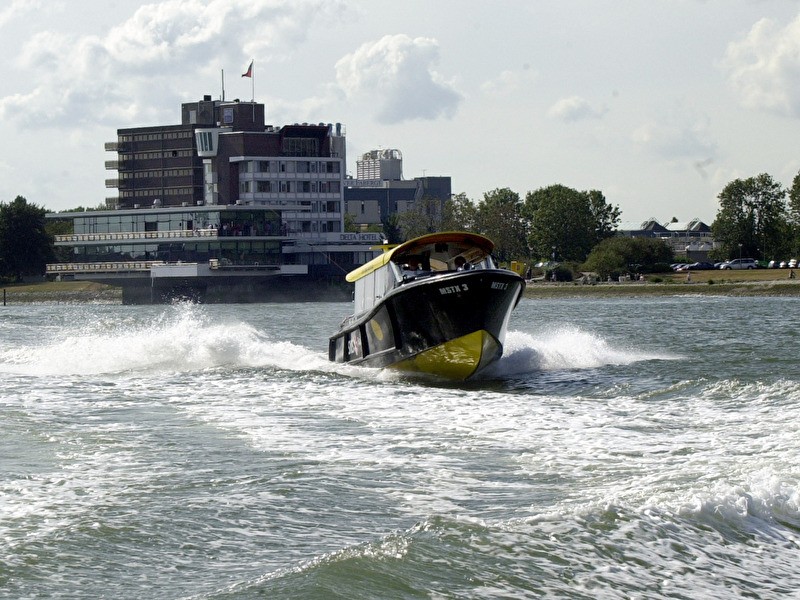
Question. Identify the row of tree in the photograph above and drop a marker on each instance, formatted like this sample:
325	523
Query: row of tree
757	218
555	222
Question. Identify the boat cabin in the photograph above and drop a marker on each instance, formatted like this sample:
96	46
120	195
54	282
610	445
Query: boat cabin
425	256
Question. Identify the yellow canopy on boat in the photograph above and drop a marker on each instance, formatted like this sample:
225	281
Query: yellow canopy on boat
418	245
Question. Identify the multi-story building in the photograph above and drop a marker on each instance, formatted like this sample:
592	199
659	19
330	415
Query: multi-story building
220	203
379	190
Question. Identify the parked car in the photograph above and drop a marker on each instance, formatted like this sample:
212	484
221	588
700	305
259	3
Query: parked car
793	263
740	263
698	266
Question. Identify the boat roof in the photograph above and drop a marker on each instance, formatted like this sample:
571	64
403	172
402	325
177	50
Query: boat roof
415	246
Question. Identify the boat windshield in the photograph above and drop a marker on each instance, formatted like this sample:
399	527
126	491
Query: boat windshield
439	258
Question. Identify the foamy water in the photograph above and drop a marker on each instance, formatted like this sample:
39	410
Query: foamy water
618	449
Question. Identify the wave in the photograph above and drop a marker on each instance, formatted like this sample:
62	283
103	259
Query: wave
184	338
563	348
177	340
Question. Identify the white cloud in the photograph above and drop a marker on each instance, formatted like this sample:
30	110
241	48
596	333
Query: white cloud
396	76
92	79
18	8
575	108
765	67
506	83
675	141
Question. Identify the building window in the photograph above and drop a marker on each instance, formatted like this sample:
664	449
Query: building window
206	142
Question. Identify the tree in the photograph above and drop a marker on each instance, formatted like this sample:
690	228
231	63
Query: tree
424	217
618	254
25	245
752	219
566	222
499	217
459	214
794	214
350	223
605	215
391	229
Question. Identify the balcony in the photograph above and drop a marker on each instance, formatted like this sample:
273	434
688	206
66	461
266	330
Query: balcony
113	146
101	267
112	165
133	236
112	183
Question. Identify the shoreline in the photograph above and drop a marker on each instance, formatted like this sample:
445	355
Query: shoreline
770	287
59	292
85	292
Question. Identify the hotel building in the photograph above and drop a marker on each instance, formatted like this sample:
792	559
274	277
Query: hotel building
222	207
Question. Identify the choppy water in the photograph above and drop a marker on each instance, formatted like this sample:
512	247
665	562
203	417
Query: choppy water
620	449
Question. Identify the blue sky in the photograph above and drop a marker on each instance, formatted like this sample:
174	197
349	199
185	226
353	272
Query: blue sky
657	103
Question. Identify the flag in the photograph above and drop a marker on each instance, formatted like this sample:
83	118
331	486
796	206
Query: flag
249	72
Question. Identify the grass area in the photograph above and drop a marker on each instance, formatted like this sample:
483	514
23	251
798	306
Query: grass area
739	276
757	282
60	292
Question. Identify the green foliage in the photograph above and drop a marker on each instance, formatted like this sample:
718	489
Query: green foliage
25	245
559	273
499	217
349	223
570	221
459	214
391	229
424	217
752	220
619	254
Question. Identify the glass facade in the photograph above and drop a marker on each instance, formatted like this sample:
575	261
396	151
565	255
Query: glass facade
223	234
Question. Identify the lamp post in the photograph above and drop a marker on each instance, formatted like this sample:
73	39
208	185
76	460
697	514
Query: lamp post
740	253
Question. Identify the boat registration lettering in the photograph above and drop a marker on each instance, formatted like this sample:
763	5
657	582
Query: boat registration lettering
453	289
499	285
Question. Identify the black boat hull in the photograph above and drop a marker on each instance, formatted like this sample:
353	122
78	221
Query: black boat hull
452	325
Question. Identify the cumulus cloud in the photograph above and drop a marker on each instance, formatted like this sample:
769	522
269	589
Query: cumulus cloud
575	108
764	67
137	64
675	141
396	76
16	9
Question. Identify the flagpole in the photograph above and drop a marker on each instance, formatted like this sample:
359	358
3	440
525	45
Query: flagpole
222	71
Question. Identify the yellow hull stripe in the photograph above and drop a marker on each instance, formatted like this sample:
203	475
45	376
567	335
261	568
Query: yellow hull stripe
456	359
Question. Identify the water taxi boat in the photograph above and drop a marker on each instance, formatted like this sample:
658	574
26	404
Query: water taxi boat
436	304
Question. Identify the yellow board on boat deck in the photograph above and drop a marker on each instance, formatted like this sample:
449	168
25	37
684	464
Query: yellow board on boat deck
456	359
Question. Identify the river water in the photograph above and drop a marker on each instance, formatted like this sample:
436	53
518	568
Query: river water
620	449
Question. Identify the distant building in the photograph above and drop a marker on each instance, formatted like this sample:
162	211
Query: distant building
686	238
379	190
220	202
